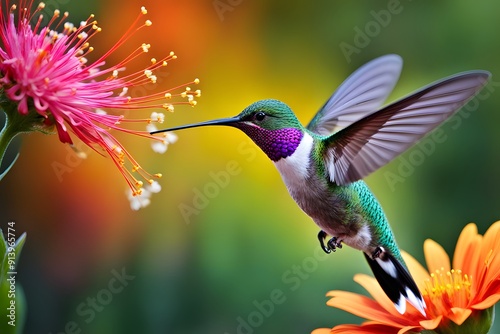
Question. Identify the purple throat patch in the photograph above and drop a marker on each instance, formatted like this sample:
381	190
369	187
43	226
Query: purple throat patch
276	144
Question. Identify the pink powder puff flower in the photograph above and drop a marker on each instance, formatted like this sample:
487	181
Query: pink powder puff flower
46	82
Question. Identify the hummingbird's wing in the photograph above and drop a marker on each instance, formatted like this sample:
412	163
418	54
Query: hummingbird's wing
362	93
375	140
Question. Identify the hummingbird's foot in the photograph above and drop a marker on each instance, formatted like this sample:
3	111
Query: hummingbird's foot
321	237
334	243
331	245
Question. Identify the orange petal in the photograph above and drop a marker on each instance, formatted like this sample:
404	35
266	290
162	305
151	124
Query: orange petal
472	264
371	285
487	264
407	329
462	254
491	240
459	315
488	284
365	307
419	273
436	256
489	252
322	331
431	324
487	302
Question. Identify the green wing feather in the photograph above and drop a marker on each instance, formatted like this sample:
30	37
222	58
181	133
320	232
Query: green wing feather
375	140
362	93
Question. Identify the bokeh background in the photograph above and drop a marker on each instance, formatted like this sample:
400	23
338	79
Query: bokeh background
223	236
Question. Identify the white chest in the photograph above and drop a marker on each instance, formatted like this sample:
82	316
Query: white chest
295	169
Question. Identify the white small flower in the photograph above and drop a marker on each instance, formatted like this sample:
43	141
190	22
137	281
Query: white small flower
160	146
154	187
151	127
139	201
171	137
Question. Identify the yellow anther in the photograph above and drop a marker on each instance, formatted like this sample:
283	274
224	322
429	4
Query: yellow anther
168	95
148	23
41	5
124	92
144	11
196	81
153	61
158	117
168	107
158	175
57	12
172	55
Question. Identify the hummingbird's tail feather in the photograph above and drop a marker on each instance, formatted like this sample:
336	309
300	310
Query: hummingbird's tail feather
396	282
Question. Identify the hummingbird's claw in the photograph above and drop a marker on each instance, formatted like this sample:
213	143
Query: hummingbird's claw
334	243
331	245
321	237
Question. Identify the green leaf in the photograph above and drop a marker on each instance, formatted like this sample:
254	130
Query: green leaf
6	170
7	247
12	299
10	145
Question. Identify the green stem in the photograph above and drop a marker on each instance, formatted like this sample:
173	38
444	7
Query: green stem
8	133
16	123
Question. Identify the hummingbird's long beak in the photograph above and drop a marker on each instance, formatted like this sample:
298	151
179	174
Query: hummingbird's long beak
221	121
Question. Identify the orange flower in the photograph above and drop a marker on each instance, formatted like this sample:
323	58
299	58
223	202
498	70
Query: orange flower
460	297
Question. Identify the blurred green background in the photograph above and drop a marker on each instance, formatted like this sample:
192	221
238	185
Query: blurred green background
241	257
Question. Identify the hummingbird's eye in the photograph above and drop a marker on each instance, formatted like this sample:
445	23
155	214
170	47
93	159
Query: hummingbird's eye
260	115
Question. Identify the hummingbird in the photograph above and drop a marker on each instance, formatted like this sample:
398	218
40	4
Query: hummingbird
351	136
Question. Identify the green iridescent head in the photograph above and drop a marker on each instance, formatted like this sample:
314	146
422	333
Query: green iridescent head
270	115
271	124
